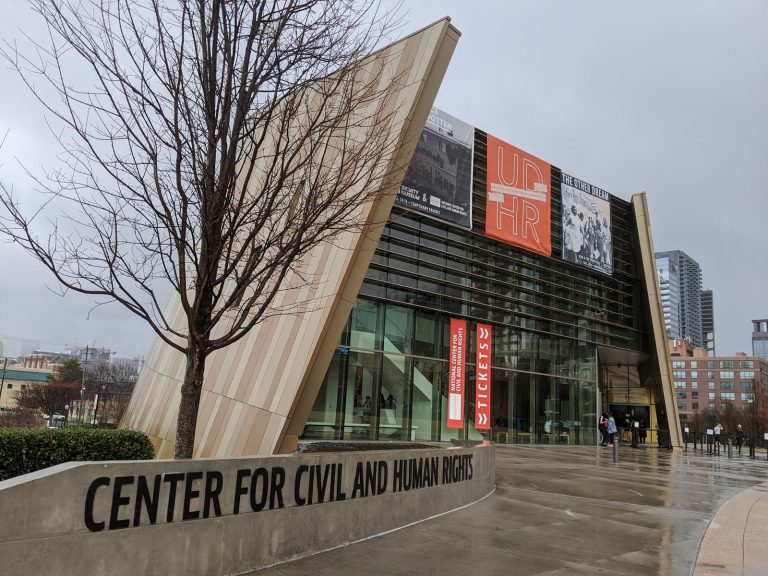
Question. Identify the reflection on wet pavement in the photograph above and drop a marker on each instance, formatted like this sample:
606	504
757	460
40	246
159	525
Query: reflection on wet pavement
562	510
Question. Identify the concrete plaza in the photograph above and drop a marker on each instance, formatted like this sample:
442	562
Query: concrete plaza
569	510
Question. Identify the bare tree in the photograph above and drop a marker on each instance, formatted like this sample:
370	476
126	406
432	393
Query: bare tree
208	146
50	397
21	418
110	387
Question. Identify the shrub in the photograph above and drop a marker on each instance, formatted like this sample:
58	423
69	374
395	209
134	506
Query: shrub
21	418
26	450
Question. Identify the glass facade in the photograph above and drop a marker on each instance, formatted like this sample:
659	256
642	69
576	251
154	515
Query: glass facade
387	382
388	379
760	348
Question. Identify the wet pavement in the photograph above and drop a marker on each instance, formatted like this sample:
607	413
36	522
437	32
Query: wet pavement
570	510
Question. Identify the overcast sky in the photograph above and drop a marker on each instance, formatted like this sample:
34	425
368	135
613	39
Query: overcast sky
663	97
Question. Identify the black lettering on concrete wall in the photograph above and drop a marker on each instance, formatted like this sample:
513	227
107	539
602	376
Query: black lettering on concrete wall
259	474
212	493
370	479
172	480
190	494
457	468
240	490
118	501
143	497
358	486
126	501
276	488
415	473
297	493
90	496
318	483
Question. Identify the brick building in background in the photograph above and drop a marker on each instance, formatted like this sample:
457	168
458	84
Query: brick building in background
728	389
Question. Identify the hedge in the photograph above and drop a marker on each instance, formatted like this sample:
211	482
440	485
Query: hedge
26	450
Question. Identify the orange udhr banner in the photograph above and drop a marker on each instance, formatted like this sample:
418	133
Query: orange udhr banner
484	345
519	198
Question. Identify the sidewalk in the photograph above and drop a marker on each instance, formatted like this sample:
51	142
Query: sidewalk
565	510
735	541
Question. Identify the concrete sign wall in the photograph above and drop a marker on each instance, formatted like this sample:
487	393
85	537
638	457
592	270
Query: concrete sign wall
216	517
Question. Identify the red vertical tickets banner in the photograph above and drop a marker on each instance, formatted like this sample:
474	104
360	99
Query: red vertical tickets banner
456	373
484	345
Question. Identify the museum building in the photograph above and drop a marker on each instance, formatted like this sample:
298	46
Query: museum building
571	337
502	298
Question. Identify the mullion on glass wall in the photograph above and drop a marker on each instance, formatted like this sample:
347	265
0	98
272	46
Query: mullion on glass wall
489	299
607	313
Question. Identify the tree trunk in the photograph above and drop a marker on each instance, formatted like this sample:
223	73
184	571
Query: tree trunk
190	402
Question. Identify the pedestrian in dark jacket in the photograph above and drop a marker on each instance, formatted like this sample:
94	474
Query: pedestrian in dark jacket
739	437
603	426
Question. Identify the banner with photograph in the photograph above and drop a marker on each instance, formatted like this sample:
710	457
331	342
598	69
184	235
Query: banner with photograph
587	239
439	178
518	198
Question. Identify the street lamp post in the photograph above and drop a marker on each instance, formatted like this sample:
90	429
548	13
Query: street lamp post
753	432
82	389
2	379
102	391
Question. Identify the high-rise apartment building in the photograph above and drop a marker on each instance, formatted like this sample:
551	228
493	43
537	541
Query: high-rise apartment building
708	320
760	338
680	287
669	285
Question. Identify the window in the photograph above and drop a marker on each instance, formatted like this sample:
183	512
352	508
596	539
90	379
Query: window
727	395
727	385
678	374
726	363
747	396
694	384
711	405
746	375
682	405
711	385
694	364
695	406
710	363
711	395
679	384
746	364
682	394
398	329
678	364
710	374
747	385
694	395
694	375
726	374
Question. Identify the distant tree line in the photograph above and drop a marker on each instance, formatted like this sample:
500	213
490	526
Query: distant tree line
102	391
752	416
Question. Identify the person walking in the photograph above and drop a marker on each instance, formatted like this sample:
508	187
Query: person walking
642	432
739	437
717	431
603	425
611	429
